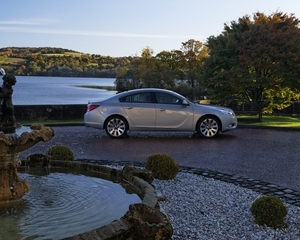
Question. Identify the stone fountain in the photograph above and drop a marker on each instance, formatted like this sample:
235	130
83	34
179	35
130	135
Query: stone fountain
142	221
14	138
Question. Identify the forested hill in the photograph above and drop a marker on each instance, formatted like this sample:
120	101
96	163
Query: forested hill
48	61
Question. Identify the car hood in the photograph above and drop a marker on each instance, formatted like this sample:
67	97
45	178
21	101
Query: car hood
210	107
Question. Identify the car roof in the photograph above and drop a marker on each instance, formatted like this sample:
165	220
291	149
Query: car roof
146	90
125	93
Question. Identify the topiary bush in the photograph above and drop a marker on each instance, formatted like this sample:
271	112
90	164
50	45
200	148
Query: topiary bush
60	152
270	211
162	166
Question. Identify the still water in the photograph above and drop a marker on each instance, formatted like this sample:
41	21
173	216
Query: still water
59	90
63	204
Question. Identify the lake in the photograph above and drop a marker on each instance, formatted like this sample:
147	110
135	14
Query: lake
59	90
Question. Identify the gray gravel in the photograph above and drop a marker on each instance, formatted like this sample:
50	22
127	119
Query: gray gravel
205	208
199	207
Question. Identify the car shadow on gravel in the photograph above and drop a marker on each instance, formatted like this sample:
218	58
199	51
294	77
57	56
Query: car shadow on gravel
174	135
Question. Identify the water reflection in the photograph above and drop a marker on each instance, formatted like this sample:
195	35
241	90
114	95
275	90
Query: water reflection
59	90
62	204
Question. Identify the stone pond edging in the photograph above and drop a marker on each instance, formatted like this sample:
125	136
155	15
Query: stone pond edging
143	220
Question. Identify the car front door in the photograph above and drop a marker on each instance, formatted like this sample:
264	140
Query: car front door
140	110
171	114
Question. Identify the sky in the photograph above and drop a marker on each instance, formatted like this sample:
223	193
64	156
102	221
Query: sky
120	28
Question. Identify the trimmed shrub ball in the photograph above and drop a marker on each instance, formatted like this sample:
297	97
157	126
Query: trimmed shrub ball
270	211
162	166
60	152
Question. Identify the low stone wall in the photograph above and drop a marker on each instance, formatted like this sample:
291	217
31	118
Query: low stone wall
142	221
49	112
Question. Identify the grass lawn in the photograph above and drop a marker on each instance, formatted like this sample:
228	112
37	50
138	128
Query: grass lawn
12	60
272	121
53	122
64	54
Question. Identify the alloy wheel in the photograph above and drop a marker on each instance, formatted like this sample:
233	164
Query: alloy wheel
116	127
209	127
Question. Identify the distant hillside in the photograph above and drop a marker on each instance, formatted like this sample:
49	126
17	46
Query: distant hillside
48	61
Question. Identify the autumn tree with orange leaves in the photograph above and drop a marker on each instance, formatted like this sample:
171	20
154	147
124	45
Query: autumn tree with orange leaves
256	58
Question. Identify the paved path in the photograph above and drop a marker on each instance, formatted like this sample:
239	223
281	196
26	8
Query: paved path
268	155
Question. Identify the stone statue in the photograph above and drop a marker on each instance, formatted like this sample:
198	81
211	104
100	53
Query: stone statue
14	138
7	118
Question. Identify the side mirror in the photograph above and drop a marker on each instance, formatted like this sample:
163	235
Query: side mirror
2	71
185	102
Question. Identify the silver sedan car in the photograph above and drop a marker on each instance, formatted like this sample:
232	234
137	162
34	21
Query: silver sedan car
151	109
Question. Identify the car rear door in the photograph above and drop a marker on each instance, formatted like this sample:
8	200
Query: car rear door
140	110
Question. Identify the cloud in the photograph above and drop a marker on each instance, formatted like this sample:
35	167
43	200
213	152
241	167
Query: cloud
19	26
32	21
90	33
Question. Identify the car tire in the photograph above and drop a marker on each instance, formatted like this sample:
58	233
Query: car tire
116	127
208	127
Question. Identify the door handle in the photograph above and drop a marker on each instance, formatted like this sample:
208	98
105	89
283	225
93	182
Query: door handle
162	109
128	107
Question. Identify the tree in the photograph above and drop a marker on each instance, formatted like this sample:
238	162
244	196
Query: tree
46	61
168	66
279	98
192	57
148	70
128	76
253	56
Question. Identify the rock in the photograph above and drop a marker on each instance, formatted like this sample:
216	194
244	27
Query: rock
128	172
38	160
148	223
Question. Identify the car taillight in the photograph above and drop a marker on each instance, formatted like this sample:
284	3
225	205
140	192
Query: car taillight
91	107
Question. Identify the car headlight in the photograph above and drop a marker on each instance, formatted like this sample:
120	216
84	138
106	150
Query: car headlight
228	112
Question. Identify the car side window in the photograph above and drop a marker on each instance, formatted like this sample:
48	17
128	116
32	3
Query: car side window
137	98
167	99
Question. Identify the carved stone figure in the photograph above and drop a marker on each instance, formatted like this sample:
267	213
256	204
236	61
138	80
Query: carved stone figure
7	118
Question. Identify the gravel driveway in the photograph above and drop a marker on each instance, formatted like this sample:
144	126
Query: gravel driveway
262	154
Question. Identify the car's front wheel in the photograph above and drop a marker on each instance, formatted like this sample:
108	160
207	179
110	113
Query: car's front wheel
116	127
208	127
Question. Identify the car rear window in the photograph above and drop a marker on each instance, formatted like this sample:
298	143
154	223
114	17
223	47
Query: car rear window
137	98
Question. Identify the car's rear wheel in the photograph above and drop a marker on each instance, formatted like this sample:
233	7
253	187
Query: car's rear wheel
116	127
208	127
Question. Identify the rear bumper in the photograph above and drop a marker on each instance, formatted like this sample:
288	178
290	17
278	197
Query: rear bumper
93	120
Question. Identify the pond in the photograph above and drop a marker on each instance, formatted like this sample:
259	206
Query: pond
62	204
